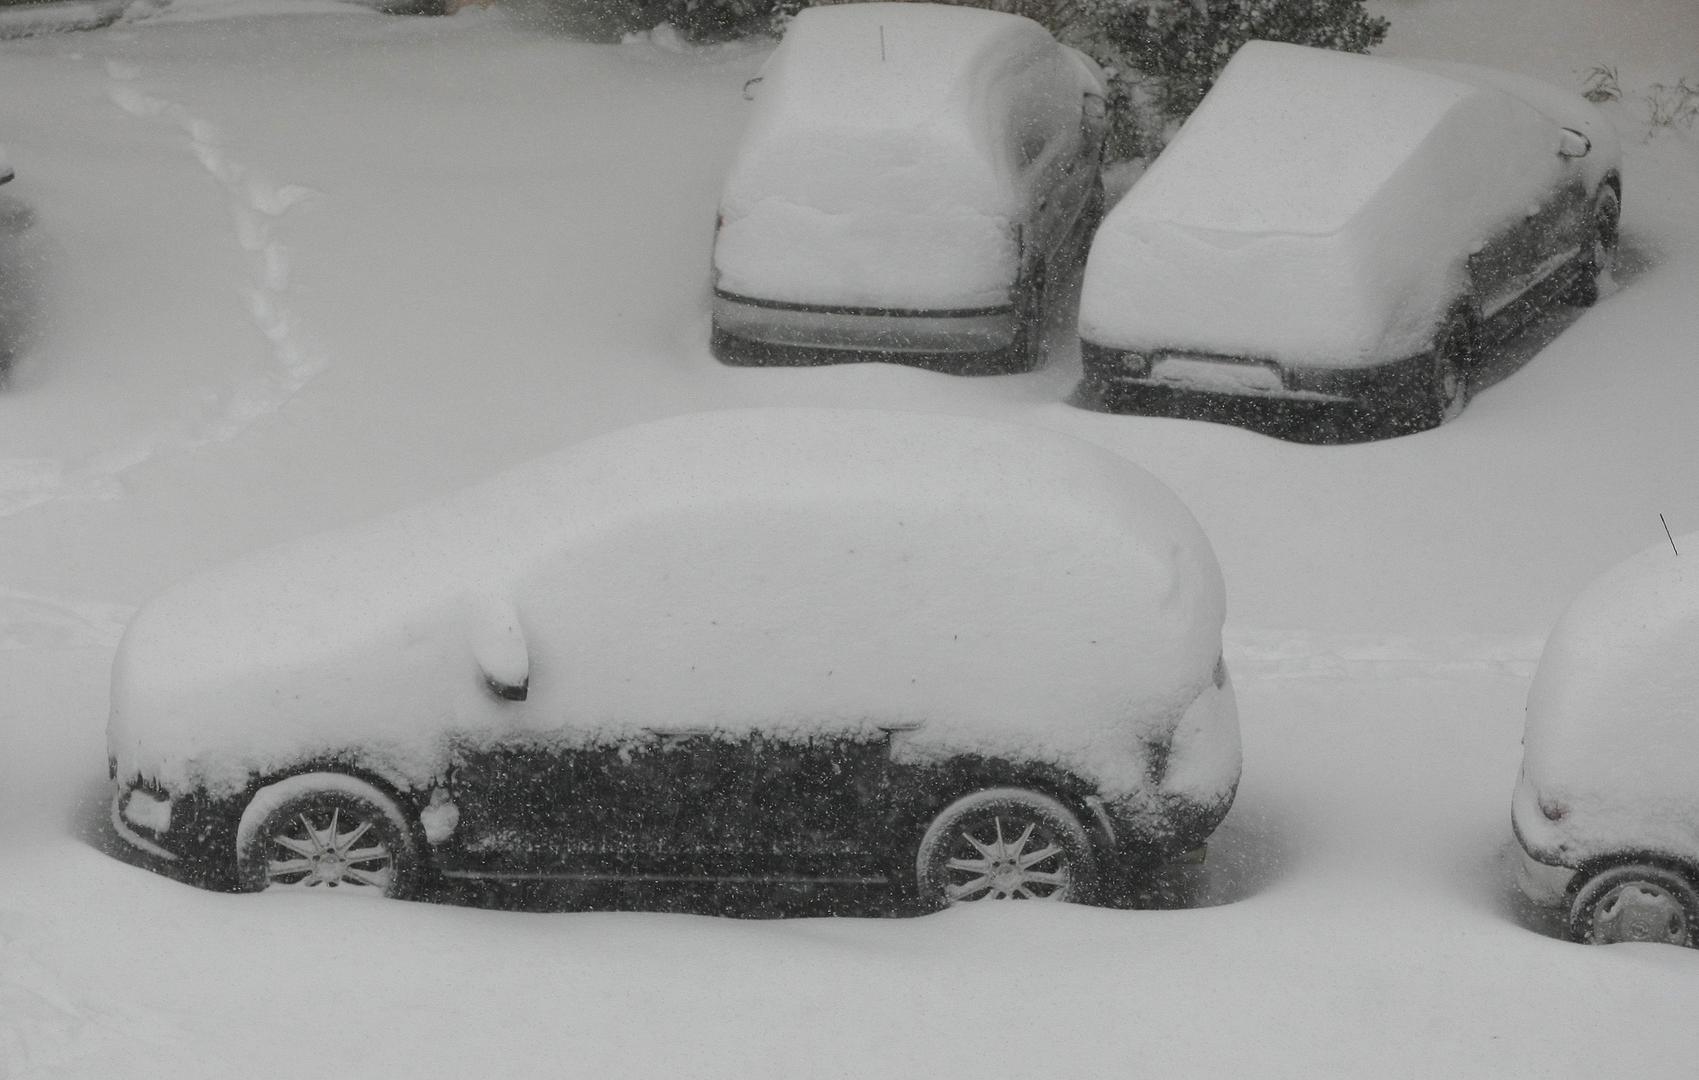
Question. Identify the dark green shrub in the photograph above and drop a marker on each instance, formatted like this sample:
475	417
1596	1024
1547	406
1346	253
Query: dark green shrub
1178	47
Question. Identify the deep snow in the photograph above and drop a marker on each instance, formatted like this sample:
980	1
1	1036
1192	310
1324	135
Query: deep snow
289	272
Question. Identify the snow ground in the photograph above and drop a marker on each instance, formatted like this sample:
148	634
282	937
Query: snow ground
278	272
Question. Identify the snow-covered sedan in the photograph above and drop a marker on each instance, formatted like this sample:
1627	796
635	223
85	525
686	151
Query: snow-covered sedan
964	657
909	176
1607	806
1332	227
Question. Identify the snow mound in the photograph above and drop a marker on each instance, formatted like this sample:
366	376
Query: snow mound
1610	741
999	589
877	169
1319	207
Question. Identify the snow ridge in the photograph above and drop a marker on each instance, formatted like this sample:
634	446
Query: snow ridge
256	206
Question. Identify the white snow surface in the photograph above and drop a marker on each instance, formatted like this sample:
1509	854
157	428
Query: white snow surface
1610	739
1318	207
878	165
288	272
1003	590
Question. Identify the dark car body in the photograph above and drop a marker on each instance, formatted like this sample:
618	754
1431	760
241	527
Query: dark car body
1400	217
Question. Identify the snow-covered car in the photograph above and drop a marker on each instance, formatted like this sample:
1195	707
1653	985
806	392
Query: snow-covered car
1333	227
1607	806
909	175
967	657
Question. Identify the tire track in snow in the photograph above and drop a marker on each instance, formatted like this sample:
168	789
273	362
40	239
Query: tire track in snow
256	205
46	1029
1299	654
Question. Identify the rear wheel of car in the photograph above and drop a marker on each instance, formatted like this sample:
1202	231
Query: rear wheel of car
1004	844
326	832
1635	902
1598	254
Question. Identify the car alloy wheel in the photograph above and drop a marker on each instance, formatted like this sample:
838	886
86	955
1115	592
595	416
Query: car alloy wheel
1635	902
1004	844
326	832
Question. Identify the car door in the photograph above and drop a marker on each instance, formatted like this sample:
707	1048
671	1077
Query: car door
818	803
1541	236
667	803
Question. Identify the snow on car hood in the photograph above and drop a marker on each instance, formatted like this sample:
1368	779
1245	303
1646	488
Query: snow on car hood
873	172
1317	209
1006	589
1612	744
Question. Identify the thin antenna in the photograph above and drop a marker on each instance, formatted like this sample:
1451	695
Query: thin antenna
881	43
1671	538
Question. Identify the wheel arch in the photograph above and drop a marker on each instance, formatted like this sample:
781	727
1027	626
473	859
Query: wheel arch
389	782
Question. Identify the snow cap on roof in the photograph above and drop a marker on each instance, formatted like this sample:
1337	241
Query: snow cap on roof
1611	737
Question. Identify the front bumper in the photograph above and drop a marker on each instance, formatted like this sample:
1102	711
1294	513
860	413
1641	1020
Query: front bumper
783	325
141	820
1111	368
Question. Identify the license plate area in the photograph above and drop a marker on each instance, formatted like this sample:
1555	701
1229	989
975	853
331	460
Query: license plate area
1220	376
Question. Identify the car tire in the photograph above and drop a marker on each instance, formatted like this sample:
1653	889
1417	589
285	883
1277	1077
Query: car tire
1027	351
1441	393
1598	254
1635	902
326	832
1004	844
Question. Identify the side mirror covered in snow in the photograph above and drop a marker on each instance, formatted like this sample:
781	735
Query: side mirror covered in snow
498	646
1575	144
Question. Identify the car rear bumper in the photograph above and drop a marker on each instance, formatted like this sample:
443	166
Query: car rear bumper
1238	376
1547	886
780	325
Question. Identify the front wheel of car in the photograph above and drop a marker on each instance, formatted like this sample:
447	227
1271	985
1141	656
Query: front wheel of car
326	832
1598	253
1004	844
1441	393
1635	902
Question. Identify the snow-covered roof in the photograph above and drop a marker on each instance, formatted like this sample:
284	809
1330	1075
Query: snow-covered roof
878	166
1017	590
1319	208
1293	140
1612	735
890	66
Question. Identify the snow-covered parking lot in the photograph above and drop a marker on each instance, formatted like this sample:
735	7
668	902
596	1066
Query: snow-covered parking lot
279	269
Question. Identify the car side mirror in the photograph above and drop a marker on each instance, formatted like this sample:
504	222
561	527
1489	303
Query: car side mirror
499	648
1575	144
749	88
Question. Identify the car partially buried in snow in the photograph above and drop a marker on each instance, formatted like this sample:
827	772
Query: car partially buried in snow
1606	808
1340	228
961	657
910	175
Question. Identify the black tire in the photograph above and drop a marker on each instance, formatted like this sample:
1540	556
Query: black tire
1635	902
1441	392
1004	844
326	832
1598	254
1027	351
